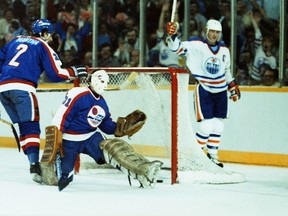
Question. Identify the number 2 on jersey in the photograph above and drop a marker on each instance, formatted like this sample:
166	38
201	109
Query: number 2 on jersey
21	49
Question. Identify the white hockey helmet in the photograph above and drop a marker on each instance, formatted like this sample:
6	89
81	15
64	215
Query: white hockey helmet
213	24
99	81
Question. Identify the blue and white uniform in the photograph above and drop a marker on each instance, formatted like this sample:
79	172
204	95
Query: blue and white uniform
22	61
79	117
210	66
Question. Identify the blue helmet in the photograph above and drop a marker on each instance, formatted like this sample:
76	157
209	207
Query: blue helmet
42	24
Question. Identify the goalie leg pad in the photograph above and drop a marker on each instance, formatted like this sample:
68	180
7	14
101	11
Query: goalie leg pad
53	143
121	155
53	149
49	176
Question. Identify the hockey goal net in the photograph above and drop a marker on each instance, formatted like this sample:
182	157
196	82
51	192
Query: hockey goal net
162	93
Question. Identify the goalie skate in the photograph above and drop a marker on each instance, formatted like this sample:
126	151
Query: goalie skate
150	177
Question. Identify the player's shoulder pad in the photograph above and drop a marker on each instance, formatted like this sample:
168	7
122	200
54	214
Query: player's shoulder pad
77	91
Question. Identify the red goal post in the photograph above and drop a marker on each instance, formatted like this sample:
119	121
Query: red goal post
162	93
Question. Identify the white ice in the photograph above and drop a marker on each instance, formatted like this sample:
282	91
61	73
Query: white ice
102	193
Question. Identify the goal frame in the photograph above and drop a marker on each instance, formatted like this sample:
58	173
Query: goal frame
174	106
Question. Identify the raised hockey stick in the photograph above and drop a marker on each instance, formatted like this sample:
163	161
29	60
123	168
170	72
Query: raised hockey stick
174	7
13	130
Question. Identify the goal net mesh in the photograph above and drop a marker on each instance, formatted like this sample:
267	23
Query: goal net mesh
162	93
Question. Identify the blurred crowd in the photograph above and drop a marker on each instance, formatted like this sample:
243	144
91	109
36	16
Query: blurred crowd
118	32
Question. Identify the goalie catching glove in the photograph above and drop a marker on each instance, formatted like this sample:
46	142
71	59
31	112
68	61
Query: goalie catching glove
234	90
130	124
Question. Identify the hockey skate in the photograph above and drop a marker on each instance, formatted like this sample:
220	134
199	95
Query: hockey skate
150	178
214	160
64	181
35	171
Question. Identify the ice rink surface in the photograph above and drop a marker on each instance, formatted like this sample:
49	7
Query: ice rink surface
107	193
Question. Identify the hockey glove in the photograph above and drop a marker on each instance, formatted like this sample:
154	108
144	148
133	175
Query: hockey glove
130	124
234	90
172	28
80	71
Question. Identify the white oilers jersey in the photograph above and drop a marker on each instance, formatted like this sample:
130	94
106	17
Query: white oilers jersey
211	68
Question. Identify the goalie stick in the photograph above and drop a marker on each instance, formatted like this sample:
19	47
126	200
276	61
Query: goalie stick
13	130
126	83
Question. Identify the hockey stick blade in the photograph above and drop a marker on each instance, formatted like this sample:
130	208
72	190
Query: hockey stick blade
129	80
14	132
125	84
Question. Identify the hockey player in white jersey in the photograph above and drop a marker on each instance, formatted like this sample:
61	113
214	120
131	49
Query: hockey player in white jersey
209	62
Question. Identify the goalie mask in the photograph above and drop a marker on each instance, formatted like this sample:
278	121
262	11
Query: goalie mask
99	81
213	25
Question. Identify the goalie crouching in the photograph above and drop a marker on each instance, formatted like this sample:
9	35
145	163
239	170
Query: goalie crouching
74	130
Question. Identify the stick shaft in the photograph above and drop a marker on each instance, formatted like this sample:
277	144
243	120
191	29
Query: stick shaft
6	122
174	6
13	130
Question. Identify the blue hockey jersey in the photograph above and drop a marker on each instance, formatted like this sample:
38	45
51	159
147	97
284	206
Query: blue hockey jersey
24	59
81	113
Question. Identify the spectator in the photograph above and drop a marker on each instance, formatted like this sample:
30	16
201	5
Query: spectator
213	8
70	40
16	29
243	67
106	58
225	20
85	5
167	58
268	8
129	25
269	76
87	60
193	31
135	59
263	53
103	34
248	44
8	17
32	13
69	57
132	40
121	53
201	19
126	47
19	9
